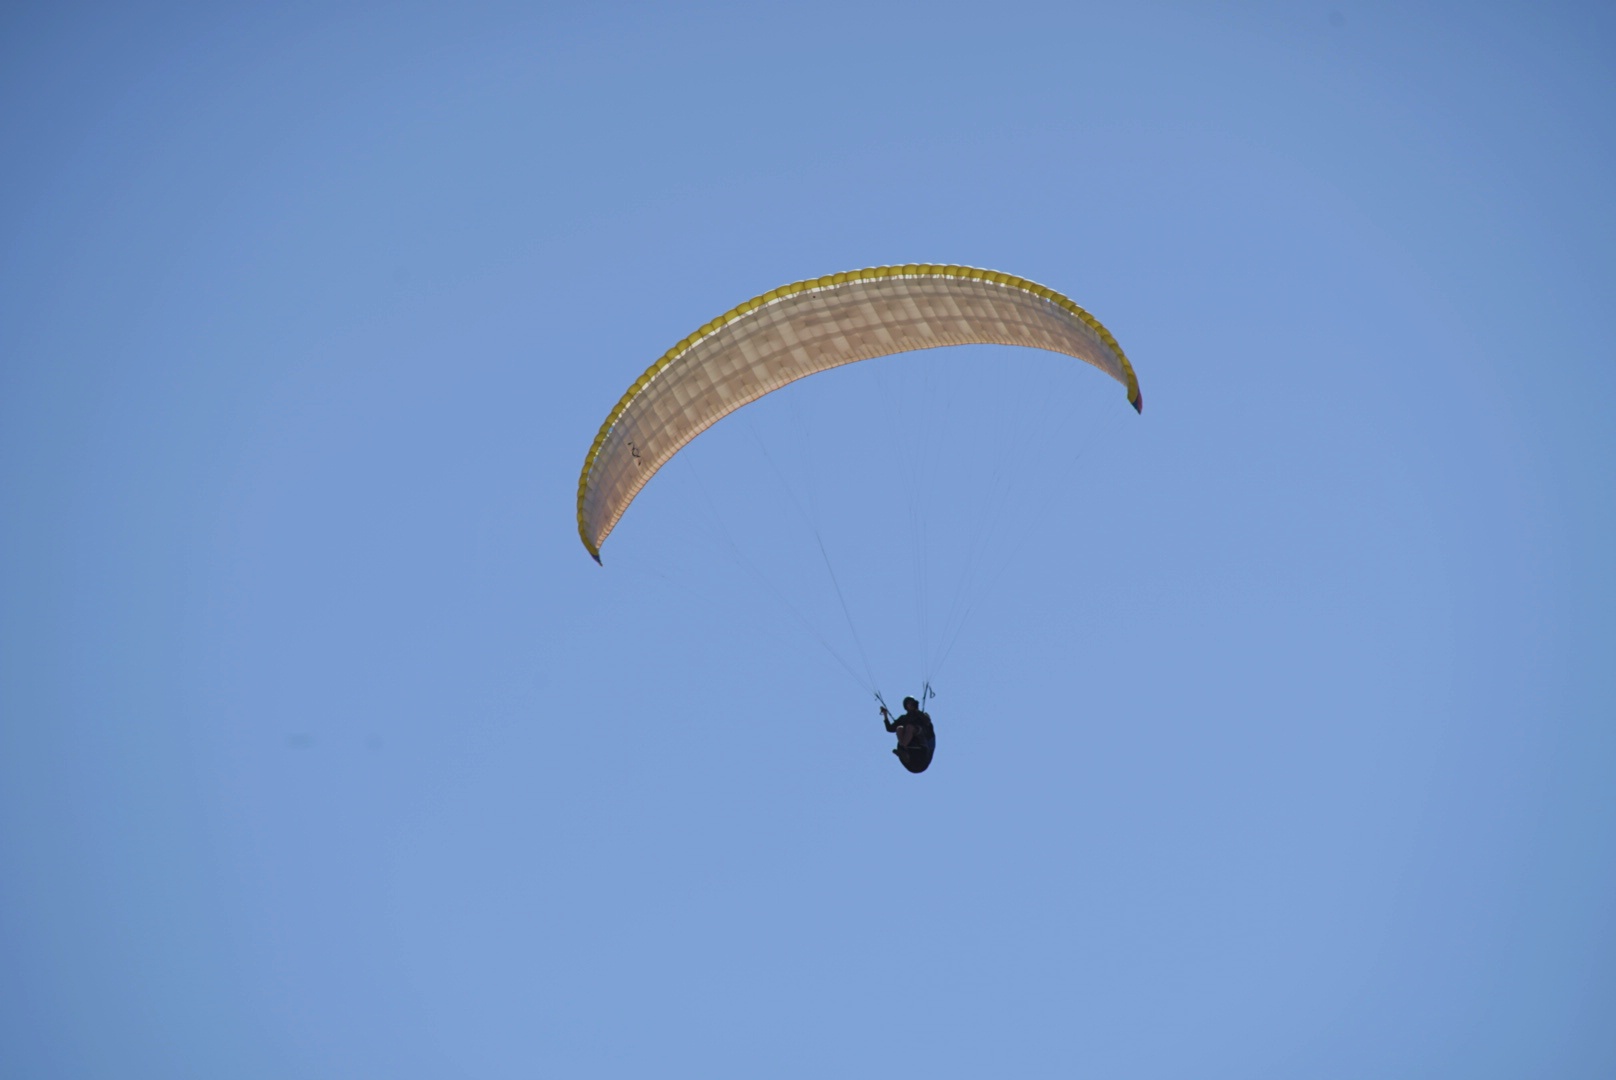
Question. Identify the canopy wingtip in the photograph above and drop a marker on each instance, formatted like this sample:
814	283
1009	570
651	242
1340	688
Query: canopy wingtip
589	545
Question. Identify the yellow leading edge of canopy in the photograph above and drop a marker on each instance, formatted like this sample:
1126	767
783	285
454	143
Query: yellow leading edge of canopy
829	281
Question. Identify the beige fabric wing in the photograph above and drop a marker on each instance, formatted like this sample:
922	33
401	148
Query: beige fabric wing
810	327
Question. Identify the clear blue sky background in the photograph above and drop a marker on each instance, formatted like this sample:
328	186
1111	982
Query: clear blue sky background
1281	744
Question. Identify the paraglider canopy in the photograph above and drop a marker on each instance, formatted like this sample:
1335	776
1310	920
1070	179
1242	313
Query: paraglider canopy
808	327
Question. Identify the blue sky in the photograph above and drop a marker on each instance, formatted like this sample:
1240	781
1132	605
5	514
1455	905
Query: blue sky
1279	742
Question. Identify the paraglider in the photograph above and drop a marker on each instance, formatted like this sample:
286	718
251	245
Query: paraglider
809	327
917	738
